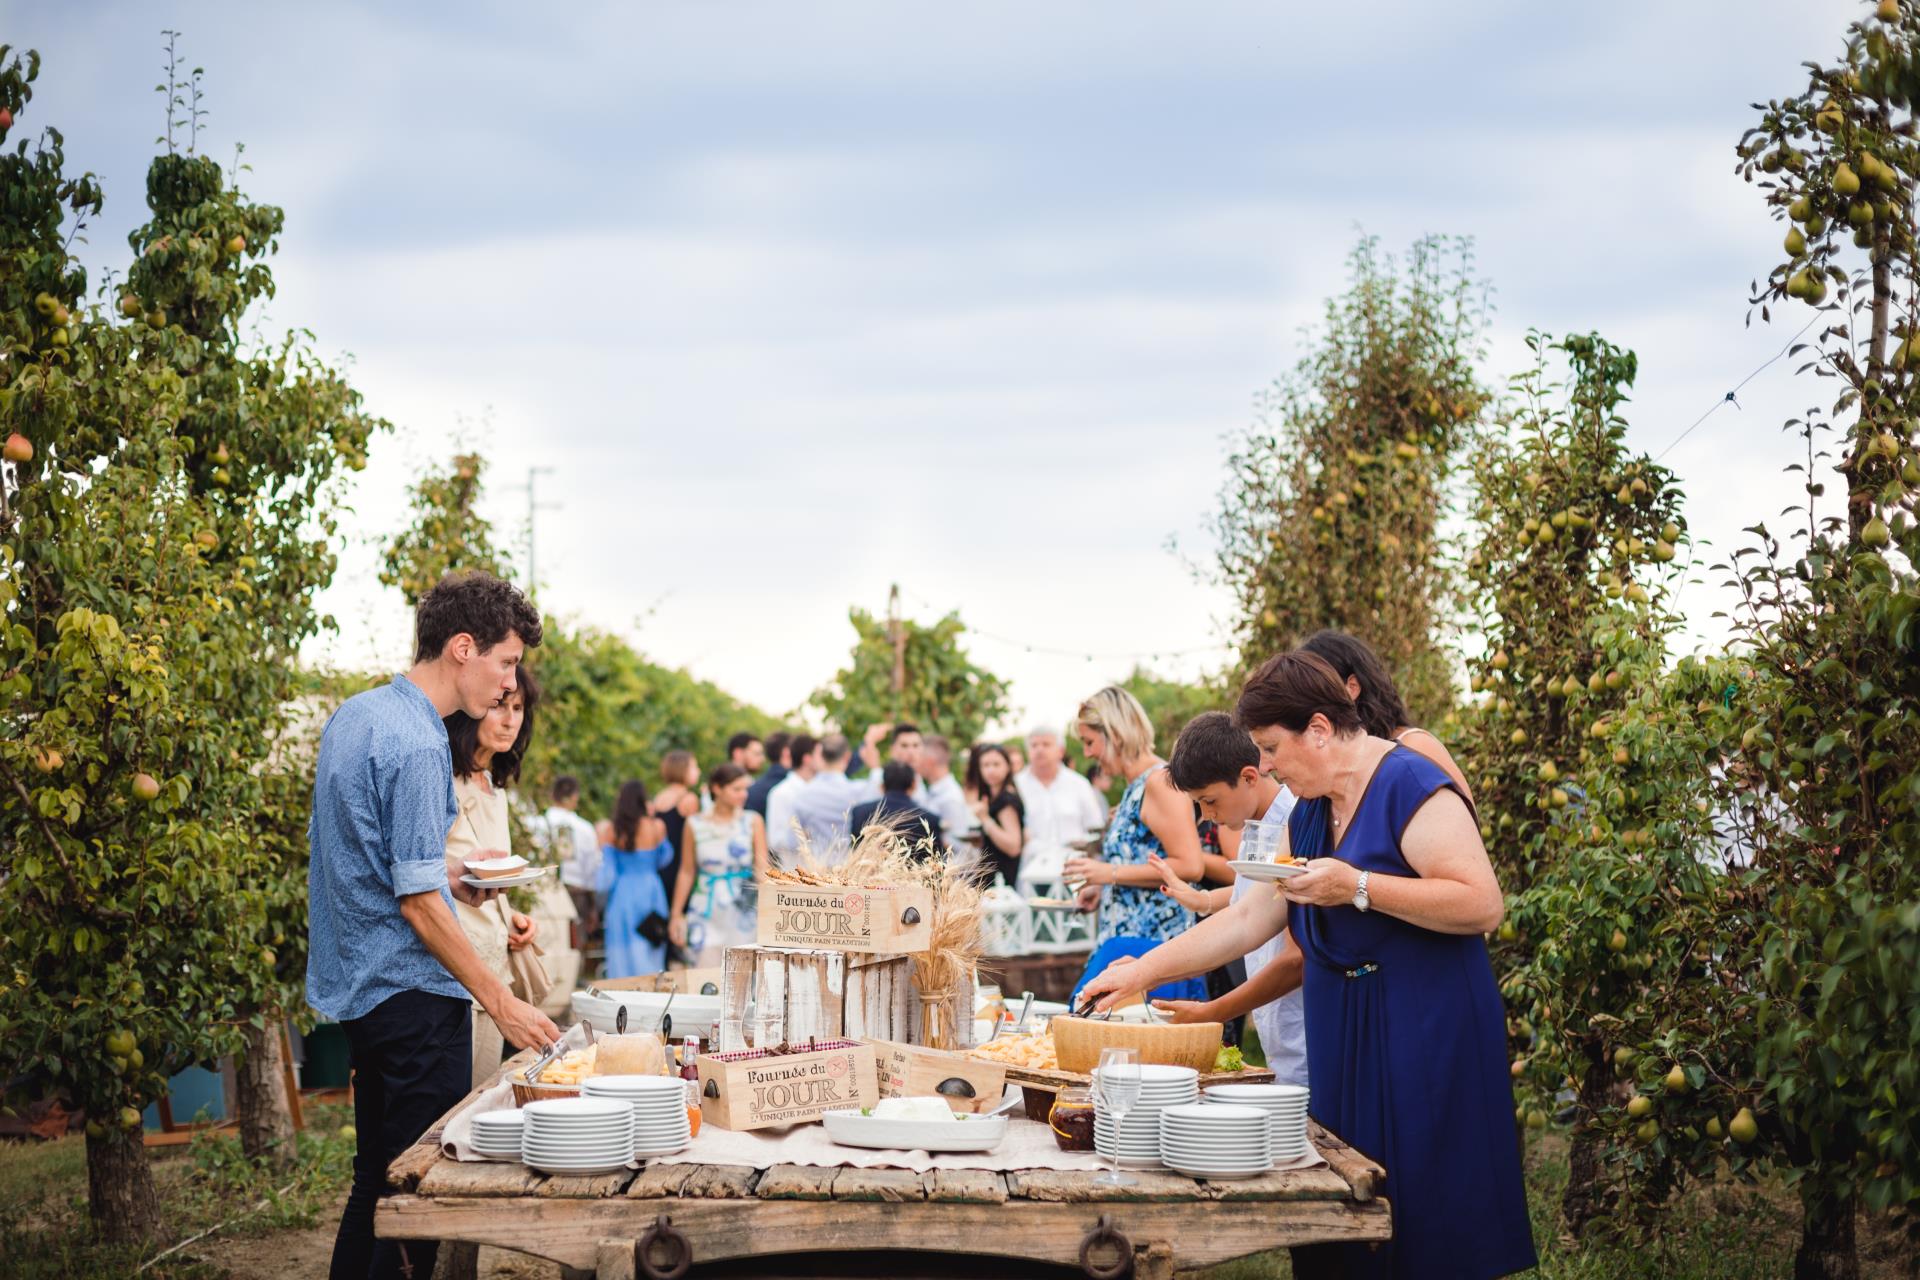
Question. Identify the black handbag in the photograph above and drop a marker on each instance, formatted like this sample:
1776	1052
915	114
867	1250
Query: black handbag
653	929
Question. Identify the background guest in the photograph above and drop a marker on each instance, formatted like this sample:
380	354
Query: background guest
1058	805
637	908
778	763
919	825
822	809
725	850
677	800
804	751
941	790
572	841
995	805
748	752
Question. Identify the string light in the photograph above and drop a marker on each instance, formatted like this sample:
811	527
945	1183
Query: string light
1151	655
1728	398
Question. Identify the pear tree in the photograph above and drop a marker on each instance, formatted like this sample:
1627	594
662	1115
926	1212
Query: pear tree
1578	543
1829	612
1331	513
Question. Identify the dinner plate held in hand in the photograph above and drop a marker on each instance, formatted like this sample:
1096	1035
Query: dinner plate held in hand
1268	871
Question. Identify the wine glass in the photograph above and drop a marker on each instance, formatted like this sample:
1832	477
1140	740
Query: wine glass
1118	1087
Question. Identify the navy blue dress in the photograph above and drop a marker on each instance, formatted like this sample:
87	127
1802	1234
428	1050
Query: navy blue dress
1406	1051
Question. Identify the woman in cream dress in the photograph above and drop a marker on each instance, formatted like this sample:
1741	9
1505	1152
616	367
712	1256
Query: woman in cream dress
486	758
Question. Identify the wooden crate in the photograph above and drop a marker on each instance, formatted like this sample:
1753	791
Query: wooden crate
757	1089
820	995
913	1071
875	921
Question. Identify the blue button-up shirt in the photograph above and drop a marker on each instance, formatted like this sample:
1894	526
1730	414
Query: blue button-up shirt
382	806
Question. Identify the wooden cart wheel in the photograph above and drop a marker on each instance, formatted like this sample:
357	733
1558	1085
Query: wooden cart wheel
1104	1232
678	1248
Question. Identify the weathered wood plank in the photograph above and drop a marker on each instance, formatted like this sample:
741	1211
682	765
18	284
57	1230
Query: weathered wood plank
1283	1184
569	1231
720	1182
1059	1187
412	1164
660	1180
491	1178
796	1182
968	1186
1362	1174
597	1185
894	1186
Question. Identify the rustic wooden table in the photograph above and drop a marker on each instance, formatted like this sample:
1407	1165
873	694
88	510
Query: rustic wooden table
874	1221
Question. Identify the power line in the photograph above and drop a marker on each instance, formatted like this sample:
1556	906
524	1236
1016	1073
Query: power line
1728	398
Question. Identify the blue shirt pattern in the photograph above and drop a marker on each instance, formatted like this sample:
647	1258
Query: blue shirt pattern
382	806
1133	911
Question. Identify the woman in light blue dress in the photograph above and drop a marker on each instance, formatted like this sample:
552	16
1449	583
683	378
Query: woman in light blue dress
636	916
722	865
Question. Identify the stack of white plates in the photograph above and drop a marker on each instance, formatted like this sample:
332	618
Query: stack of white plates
1217	1141
577	1135
661	1125
1286	1108
1137	1136
496	1134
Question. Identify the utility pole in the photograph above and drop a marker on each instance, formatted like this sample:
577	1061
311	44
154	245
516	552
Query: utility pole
534	507
897	634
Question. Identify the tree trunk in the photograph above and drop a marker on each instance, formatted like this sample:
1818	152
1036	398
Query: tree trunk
1585	1197
1827	1248
266	1122
120	1192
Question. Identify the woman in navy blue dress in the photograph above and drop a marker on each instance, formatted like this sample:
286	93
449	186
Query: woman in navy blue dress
1406	1036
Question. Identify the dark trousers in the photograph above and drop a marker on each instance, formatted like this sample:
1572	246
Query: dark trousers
412	1060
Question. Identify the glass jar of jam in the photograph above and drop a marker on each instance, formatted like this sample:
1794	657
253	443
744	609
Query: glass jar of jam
1072	1119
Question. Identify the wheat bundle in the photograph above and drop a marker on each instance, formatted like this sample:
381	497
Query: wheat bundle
885	853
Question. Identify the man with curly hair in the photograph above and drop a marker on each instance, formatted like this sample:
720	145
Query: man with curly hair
386	956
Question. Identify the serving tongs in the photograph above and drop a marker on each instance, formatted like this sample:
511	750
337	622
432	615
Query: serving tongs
532	1074
1083	1011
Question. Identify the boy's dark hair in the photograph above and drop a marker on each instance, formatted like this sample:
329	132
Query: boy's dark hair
777	744
1379	704
463	736
473	603
897	777
565	787
740	741
901	730
1212	748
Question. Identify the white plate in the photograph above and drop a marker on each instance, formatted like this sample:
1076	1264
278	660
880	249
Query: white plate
1221	1175
594	1156
1153	1073
579	1135
1212	1113
974	1133
1225	1154
1261	1093
606	1086
506	882
575	1171
1267	872
565	1110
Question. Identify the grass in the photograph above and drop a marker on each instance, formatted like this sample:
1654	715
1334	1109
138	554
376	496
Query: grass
44	1232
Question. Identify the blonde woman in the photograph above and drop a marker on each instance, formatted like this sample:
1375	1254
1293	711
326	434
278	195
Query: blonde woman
1152	818
486	760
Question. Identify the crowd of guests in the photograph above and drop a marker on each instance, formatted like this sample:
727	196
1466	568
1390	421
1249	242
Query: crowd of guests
1366	976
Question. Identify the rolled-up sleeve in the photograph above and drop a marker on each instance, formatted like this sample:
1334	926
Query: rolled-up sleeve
419	812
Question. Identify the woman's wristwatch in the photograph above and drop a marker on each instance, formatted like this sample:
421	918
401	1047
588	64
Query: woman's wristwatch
1360	899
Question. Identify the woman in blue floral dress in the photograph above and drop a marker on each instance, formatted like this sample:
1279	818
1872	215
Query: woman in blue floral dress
1153	817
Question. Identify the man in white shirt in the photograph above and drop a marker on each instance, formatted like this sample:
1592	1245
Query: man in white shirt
821	808
803	750
1061	805
942	792
571	839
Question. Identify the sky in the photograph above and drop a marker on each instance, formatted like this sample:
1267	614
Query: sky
800	300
